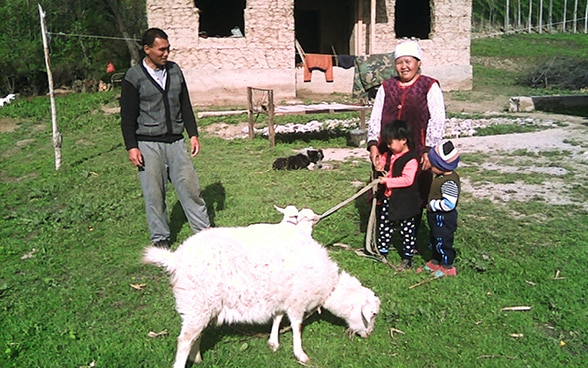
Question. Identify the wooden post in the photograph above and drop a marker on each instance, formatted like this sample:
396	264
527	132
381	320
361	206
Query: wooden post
359	32
372	26
362	119
57	138
270	115
250	112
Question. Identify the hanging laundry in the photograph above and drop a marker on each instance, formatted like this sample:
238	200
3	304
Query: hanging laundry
370	72
318	61
345	61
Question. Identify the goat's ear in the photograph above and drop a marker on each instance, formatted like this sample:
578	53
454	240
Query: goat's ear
367	313
281	210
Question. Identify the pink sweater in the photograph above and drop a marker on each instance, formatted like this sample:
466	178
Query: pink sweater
408	173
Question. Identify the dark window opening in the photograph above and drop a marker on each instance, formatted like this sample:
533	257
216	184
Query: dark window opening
324	27
221	18
412	18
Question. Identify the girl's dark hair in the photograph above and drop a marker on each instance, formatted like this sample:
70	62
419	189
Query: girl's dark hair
151	34
398	129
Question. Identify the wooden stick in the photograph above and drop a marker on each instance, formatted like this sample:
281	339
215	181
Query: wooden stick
495	356
516	309
425	281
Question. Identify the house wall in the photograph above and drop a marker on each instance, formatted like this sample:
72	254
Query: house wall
446	54
218	70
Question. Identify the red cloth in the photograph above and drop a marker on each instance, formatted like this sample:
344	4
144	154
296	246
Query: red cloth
318	61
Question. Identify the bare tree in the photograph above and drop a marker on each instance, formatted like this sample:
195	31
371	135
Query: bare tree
540	16
530	15
132	45
565	13
575	15
550	17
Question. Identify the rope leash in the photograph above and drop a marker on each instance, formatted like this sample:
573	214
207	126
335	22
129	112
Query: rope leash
347	201
370	249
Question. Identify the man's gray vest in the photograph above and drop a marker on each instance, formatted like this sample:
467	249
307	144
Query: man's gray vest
160	110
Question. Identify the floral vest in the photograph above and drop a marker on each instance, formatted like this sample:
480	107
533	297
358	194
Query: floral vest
408	104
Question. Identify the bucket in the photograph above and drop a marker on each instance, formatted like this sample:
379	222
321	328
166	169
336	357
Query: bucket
357	138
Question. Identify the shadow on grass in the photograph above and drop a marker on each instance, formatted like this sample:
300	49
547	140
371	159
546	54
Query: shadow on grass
214	195
241	333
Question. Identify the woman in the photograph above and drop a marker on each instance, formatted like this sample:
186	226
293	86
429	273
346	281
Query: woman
414	98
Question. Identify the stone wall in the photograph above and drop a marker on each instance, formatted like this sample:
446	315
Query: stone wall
218	70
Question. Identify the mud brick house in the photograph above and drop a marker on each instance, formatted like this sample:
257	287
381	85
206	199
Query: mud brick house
224	46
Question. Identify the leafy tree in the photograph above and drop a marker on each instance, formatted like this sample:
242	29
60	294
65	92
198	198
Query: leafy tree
85	35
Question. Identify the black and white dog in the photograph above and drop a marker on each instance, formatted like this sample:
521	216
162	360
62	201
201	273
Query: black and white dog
308	158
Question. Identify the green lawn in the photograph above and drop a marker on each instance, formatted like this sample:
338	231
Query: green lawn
73	292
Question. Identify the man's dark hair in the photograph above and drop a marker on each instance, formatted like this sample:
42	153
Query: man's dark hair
398	129
151	34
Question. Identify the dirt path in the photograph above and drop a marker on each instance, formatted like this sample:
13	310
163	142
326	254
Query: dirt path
561	152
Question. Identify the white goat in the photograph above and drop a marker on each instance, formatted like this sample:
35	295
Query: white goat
255	274
306	220
290	214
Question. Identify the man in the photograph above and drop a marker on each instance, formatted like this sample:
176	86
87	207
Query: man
155	111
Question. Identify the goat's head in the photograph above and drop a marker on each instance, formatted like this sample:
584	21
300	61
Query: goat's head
290	214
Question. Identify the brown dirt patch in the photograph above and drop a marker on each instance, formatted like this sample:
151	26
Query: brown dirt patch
7	125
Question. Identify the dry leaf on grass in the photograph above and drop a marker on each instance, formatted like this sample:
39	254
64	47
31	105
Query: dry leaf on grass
138	286
516	309
157	334
29	254
343	245
392	330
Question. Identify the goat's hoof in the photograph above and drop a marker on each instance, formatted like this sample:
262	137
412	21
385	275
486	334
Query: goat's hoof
274	346
303	359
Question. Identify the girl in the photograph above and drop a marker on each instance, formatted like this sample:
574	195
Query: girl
401	203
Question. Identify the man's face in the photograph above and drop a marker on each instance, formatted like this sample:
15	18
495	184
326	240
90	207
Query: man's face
157	53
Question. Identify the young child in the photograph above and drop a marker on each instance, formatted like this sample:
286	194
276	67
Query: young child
401	202
441	208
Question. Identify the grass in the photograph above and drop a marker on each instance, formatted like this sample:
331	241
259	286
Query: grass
71	240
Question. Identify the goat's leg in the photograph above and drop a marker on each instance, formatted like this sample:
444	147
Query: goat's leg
274	339
296	323
190	335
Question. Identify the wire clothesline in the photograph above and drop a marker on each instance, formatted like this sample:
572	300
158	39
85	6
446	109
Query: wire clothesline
91	36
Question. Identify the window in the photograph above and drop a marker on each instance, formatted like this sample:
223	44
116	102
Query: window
221	18
412	18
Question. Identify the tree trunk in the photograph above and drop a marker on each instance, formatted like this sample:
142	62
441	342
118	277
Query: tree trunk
506	17
575	16
540	16
530	16
565	13
550	16
132	45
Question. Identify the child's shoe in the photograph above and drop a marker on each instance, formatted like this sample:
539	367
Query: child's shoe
442	271
432	265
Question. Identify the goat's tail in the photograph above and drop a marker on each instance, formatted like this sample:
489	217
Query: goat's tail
161	257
